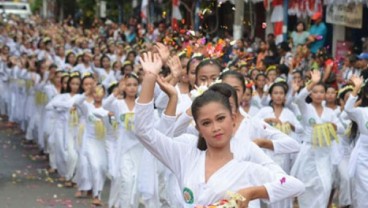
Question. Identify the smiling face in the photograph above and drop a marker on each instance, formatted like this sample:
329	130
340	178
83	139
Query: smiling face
215	123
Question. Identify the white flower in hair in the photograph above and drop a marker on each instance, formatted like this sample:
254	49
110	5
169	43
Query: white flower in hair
198	91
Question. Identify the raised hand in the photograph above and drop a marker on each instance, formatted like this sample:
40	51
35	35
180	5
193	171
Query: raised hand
315	76
175	66
163	51
151	63
166	87
357	81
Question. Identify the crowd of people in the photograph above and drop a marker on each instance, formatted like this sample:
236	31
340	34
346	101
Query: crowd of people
182	119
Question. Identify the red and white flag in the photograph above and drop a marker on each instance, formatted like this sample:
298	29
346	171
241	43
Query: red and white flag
176	15
144	11
277	18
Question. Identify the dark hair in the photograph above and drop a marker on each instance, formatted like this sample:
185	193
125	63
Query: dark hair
309	99
195	58
102	58
131	75
83	79
67	58
283	69
208	97
259	75
283	85
62	80
301	22
68	89
363	95
112	88
236	75
126	65
225	89
206	62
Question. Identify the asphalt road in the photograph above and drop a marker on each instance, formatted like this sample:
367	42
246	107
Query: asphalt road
24	182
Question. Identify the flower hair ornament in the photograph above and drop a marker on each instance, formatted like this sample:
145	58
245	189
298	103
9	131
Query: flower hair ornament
87	74
198	91
225	203
344	89
271	68
74	74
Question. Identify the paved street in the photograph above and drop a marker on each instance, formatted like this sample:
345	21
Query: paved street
24	182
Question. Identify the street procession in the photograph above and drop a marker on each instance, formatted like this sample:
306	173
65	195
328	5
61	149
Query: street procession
184	104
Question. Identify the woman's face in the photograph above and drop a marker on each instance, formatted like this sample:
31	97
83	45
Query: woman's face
106	63
300	27
254	74
75	85
131	57
331	95
96	61
65	83
278	95
98	93
72	59
236	84
271	76
207	74
86	58
128	69
216	124
260	82
184	77
131	87
192	75
247	96
88	84
57	78
117	66
318	94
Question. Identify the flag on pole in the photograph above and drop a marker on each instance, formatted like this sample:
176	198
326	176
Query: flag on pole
176	15
277	18
144	11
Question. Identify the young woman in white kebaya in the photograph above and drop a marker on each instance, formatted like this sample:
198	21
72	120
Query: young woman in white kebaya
357	111
83	175
66	126
128	150
95	140
313	163
200	172
280	117
347	141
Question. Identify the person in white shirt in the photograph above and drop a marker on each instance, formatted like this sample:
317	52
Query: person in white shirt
204	175
359	156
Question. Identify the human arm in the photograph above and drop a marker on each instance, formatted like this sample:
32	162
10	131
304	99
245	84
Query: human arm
353	112
169	152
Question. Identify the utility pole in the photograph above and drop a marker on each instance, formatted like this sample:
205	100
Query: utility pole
239	18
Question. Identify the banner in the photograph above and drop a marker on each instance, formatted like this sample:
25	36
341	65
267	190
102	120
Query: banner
349	15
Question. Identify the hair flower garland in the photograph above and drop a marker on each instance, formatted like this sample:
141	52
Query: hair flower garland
198	91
